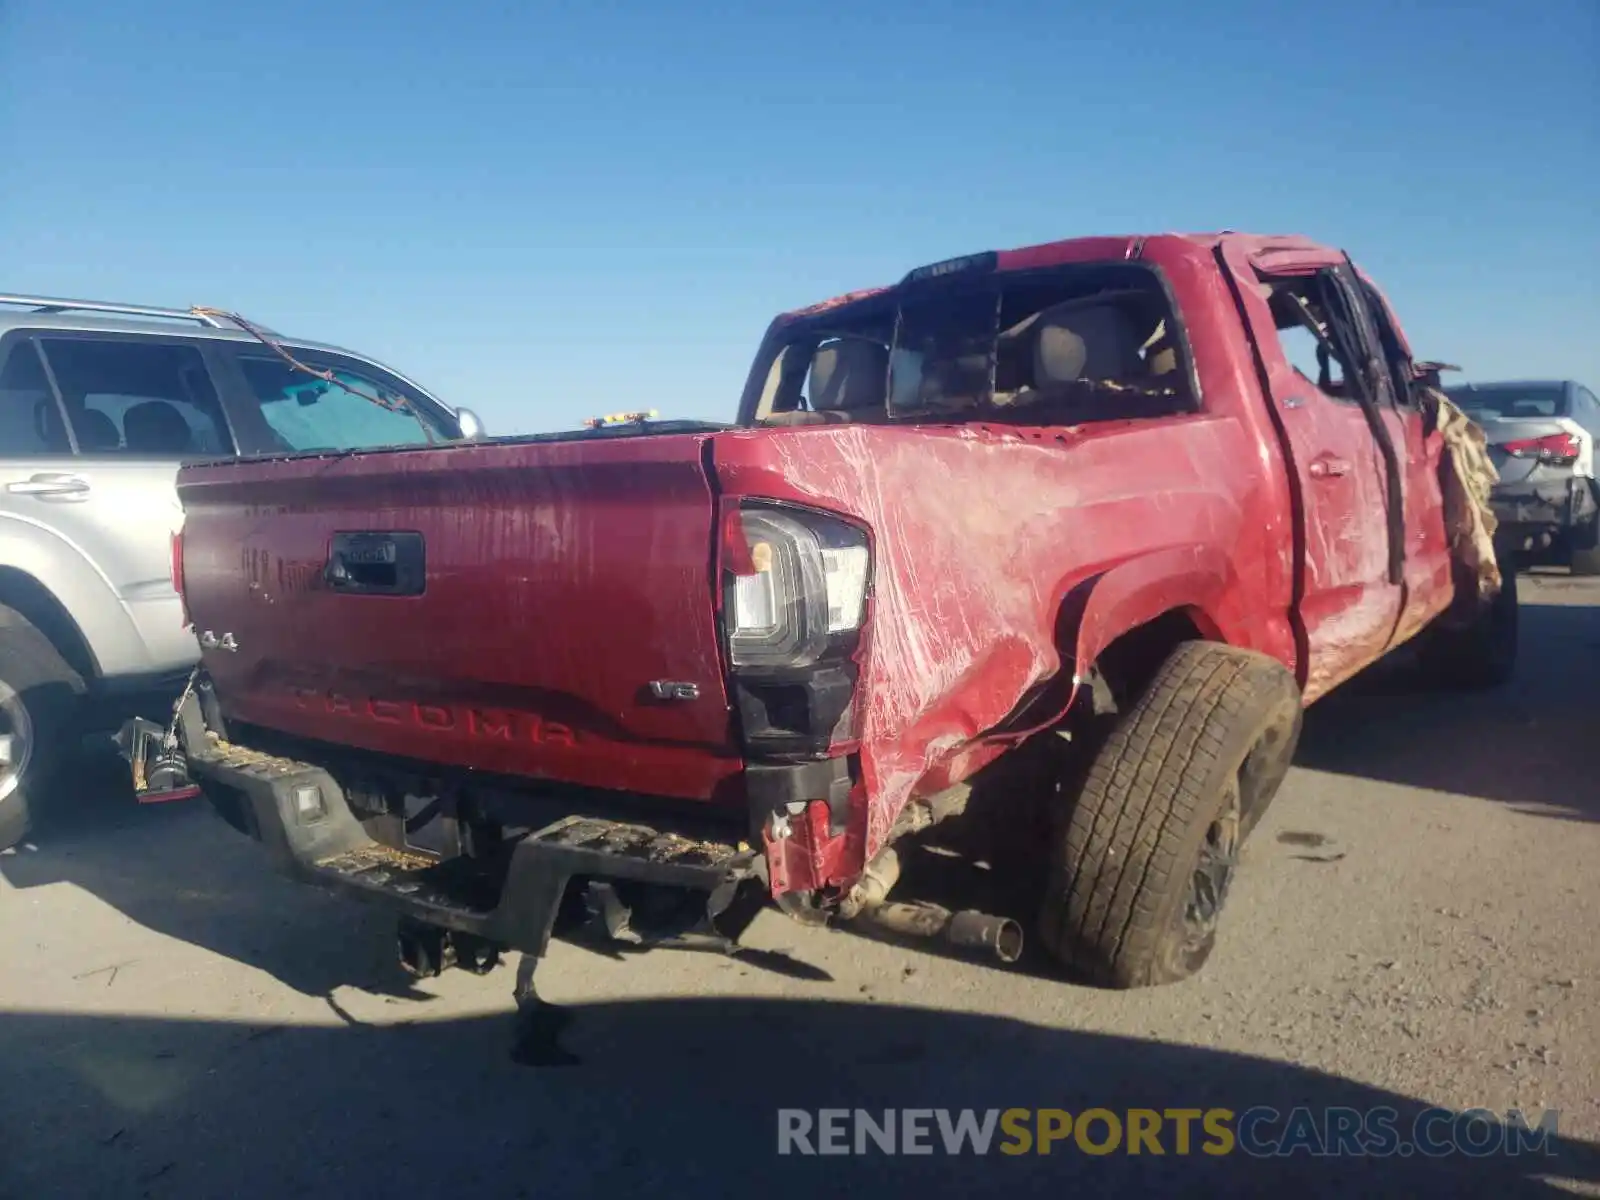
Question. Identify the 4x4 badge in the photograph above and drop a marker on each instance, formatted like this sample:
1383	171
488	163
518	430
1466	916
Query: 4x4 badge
210	641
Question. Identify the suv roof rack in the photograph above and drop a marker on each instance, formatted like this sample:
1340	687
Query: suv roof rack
51	304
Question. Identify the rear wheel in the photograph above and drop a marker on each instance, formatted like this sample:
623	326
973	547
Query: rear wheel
1482	654
1148	851
38	697
1586	549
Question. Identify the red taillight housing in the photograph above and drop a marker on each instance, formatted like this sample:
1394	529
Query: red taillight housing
795	582
793	605
177	576
1552	448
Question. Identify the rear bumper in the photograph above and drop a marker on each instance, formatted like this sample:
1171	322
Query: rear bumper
300	815
509	895
1557	507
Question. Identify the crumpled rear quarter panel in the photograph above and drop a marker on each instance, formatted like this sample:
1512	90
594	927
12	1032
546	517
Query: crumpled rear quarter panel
978	534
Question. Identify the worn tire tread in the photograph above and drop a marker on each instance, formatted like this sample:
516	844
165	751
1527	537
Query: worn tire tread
1464	658
1131	829
1585	562
32	666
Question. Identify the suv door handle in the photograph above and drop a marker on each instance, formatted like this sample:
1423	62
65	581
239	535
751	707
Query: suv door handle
52	486
1327	466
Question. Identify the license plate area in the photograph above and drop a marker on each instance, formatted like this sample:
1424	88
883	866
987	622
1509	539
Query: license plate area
417	819
375	563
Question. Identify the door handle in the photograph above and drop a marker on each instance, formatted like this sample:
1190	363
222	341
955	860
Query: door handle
52	486
1328	466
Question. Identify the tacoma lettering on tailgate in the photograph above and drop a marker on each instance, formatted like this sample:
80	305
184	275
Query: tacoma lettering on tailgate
489	724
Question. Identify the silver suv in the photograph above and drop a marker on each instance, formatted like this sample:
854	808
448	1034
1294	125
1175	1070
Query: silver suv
99	405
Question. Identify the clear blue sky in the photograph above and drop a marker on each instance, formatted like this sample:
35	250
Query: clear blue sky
547	211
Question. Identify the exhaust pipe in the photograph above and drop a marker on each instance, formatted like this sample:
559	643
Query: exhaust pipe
868	904
972	930
967	930
872	889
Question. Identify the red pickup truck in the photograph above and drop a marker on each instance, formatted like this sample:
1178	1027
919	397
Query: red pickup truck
648	676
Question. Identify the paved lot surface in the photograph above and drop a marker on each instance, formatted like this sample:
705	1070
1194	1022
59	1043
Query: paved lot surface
174	1021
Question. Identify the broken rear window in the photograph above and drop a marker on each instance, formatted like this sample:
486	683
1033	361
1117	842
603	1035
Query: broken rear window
1070	344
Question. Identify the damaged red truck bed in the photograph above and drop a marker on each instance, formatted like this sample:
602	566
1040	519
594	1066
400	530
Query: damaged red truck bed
1077	488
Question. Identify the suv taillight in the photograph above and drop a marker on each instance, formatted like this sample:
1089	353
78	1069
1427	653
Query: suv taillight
1553	448
177	576
794	591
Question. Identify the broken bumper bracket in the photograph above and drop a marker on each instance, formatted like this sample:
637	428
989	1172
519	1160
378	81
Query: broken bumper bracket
160	772
301	817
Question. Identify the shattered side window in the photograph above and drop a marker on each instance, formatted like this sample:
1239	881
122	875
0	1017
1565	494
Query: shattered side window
1301	349
1305	340
1081	344
944	353
833	370
1062	346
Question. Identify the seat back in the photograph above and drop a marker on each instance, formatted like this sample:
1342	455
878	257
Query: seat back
849	375
156	427
1074	342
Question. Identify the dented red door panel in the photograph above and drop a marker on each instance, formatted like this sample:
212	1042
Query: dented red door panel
1430	585
1348	607
979	535
1429	582
561	580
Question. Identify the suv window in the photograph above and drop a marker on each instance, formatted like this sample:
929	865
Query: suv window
30	421
138	397
307	413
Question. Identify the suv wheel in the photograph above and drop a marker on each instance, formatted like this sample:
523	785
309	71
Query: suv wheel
1142	867
38	694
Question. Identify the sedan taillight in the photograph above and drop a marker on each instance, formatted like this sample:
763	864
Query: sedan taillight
1552	448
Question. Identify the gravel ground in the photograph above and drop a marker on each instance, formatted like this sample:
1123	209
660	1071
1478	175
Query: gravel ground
1414	927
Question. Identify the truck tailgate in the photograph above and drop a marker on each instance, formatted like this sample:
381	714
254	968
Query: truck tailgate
504	607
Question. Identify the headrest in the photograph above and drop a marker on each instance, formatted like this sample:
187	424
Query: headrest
1084	342
1160	351
156	427
849	373
52	431
96	431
